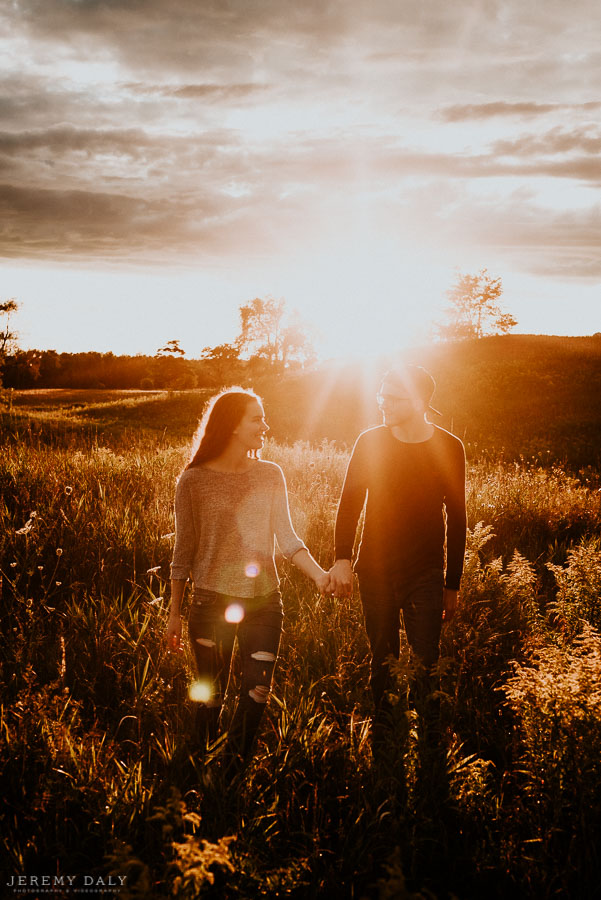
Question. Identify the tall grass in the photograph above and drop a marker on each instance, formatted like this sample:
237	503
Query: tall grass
99	770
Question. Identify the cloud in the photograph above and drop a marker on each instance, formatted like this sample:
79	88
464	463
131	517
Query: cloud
235	41
214	93
525	235
556	141
180	36
154	129
215	194
500	108
82	224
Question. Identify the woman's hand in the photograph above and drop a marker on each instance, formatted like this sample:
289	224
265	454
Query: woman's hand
303	560
322	582
173	634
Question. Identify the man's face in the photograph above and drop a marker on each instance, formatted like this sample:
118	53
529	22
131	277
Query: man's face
397	405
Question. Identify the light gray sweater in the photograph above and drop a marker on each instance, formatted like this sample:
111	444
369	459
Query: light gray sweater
225	525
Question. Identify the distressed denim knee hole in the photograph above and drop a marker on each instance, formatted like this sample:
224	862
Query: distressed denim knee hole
263	656
259	694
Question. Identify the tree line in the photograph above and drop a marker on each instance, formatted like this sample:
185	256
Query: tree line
272	340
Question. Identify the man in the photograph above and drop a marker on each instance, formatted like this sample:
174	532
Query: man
412	472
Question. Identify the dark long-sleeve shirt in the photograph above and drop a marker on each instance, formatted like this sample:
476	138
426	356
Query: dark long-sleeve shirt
408	487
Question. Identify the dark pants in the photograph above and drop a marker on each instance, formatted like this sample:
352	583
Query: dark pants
257	625
420	599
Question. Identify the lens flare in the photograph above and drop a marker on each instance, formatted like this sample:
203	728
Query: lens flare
200	691
252	570
234	613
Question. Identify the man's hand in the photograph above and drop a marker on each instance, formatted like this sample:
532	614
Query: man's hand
341	578
449	604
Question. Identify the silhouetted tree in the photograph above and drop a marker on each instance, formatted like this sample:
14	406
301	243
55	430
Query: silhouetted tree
269	332
8	338
171	370
22	368
171	348
224	362
474	310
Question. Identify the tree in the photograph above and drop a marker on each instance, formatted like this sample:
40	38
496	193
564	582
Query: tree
8	338
269	332
172	349
474	311
224	362
21	369
172	370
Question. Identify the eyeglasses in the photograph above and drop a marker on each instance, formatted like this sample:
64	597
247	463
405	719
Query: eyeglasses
381	399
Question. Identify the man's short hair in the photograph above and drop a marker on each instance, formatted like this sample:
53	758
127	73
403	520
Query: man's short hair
416	380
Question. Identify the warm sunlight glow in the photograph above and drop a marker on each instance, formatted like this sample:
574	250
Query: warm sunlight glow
200	691
369	295
193	167
234	613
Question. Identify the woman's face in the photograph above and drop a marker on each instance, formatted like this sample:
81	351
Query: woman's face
252	427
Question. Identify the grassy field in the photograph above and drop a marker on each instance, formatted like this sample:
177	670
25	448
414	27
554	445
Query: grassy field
99	775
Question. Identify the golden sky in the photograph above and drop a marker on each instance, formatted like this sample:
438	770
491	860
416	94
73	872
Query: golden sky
164	161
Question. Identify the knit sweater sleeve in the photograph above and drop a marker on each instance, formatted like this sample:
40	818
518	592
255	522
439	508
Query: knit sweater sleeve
288	540
351	502
456	517
185	535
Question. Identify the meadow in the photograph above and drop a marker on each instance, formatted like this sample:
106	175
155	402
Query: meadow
99	773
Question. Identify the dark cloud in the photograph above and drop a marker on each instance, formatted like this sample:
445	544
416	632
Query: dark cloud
240	38
48	224
133	160
555	141
214	93
182	35
66	138
459	113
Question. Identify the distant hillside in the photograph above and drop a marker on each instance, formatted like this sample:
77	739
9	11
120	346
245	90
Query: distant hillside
522	394
515	395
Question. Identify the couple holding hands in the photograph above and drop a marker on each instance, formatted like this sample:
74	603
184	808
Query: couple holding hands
230	505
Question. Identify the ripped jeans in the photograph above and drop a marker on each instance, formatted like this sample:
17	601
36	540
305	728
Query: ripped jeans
214	623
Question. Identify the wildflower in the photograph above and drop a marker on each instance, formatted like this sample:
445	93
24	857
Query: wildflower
26	528
40	568
153	571
59	551
12	565
58	583
68	489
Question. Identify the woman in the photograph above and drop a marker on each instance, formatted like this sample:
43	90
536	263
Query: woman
229	505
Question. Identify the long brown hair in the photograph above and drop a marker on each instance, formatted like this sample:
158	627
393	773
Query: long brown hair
223	413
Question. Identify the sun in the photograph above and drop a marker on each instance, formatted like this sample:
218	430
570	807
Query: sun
368	298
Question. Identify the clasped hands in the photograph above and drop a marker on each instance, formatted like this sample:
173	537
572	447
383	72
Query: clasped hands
338	582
